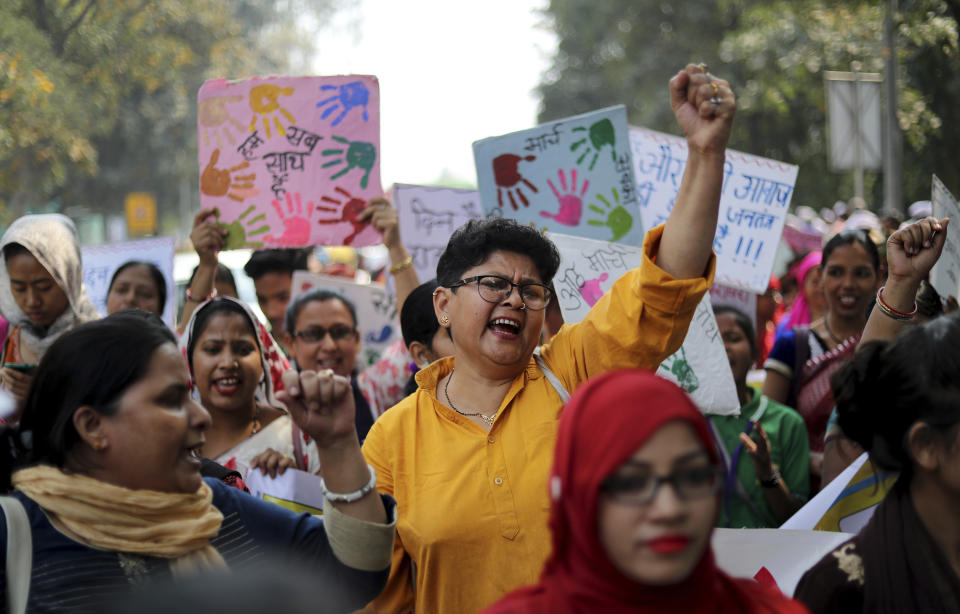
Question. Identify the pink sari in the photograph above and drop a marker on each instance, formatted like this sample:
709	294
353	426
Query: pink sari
815	399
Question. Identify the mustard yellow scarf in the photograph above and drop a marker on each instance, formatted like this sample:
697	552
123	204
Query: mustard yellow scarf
108	517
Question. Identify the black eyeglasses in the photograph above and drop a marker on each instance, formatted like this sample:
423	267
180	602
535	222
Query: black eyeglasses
496	289
642	489
315	334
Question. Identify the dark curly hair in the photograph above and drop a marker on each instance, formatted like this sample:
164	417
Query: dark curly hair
472	243
890	385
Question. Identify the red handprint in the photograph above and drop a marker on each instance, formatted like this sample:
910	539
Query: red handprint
296	227
507	175
349	212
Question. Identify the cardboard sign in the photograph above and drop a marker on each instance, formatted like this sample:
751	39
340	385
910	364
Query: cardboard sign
295	490
589	268
428	216
573	176
377	319
945	275
100	262
786	555
290	161
753	204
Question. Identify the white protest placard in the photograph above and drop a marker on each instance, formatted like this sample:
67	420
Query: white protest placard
738	298
753	203
293	489
100	262
428	216
588	269
787	555
946	272
810	514
377	321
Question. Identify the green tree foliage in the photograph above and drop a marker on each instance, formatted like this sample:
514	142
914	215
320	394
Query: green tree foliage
774	53
98	97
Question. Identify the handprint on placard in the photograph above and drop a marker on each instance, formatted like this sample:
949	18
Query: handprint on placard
263	102
349	96
590	289
241	229
356	155
678	365
571	203
617	218
348	209
507	176
218	182
296	222
213	116
601	133
380	336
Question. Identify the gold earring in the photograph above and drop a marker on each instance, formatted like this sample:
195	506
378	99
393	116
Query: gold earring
444	320
99	445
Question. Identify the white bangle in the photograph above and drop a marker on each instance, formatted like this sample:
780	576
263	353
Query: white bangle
350	497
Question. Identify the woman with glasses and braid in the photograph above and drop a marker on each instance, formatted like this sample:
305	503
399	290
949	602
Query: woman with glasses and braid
635	492
467	456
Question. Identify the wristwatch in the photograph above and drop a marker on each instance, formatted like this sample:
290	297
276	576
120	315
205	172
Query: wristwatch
773	482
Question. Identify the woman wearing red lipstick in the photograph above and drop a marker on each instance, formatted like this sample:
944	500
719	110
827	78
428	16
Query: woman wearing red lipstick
634	490
41	293
804	358
467	456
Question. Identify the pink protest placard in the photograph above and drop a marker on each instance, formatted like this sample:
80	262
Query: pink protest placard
290	161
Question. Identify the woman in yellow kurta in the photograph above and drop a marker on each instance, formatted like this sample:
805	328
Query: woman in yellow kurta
468	454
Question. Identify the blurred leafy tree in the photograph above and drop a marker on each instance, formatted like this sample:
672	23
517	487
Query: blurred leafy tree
774	53
98	97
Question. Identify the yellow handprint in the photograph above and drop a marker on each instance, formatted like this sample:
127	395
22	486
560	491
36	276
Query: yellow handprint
212	113
263	100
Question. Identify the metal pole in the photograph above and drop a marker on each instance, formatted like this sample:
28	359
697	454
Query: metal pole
892	144
857	133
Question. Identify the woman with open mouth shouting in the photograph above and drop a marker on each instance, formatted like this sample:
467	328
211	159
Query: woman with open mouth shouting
236	366
467	455
635	492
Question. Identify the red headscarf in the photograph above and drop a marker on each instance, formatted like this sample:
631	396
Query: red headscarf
602	426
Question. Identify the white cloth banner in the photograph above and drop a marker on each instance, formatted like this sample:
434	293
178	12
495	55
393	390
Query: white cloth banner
946	272
588	268
428	216
377	320
787	555
100	262
753	203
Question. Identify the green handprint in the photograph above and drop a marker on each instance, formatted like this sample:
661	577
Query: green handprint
681	369
617	218
601	133
357	155
240	229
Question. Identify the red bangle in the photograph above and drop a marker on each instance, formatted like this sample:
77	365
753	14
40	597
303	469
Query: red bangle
191	297
887	308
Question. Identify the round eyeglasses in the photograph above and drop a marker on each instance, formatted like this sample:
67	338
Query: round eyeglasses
496	289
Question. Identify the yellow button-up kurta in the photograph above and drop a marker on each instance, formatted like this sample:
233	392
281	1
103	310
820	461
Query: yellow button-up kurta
472	505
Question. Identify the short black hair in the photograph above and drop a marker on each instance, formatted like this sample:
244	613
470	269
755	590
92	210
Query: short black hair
743	321
472	243
223	276
276	261
93	365
206	313
158	279
320	295
849	237
890	385
418	322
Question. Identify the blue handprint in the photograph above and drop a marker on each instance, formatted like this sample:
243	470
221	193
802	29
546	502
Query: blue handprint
350	95
383	335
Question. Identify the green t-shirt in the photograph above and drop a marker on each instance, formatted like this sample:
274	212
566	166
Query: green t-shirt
789	451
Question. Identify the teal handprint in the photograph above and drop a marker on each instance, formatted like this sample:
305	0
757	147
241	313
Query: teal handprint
681	369
239	230
356	155
601	133
617	218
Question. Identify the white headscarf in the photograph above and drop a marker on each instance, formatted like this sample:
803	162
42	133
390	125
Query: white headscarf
52	240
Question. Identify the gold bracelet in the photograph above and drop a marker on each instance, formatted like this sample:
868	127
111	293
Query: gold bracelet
401	266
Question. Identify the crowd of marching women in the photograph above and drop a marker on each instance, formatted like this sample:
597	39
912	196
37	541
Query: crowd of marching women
494	460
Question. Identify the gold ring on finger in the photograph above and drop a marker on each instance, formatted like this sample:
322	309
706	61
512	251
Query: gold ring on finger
716	87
